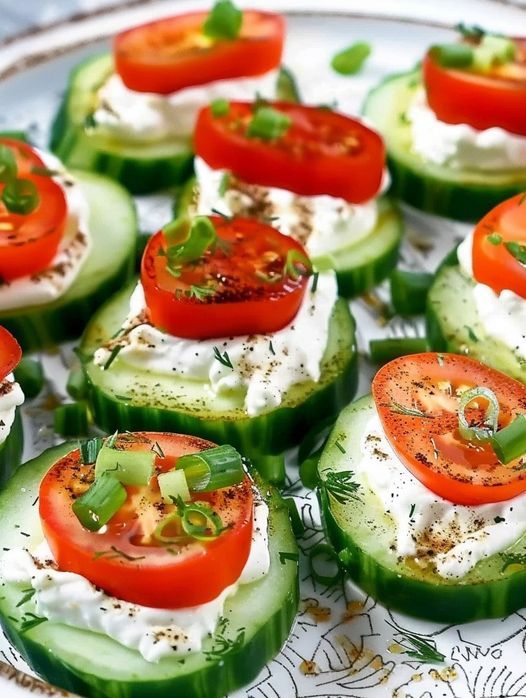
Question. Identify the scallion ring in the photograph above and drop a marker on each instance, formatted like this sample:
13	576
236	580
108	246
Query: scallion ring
172	519
200	521
510	443
491	418
20	196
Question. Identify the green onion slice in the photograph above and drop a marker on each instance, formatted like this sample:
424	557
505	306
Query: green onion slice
219	107
191	240
224	21
485	431
268	124
350	60
128	467
8	167
174	521
453	55
99	503
199	520
212	469
20	196
287	87
296	265
510	443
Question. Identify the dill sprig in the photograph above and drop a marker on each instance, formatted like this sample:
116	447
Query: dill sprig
416	647
408	411
222	358
341	486
223	645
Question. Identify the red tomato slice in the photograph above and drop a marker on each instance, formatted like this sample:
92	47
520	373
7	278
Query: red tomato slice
241	302
493	263
29	242
430	446
10	353
322	152
480	100
173	53
125	560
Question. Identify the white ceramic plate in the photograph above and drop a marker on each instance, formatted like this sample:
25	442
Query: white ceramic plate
348	647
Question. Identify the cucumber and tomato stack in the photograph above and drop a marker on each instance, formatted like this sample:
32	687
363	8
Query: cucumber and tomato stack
11	447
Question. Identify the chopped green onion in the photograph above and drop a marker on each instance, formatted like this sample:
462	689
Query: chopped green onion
224	21
20	196
99	503
89	450
8	167
198	236
493	50
30	374
173	484
323	550
516	250
295	519
494	238
453	55
219	107
268	124
77	385
485	431
296	265
287	87
199	520
409	291
128	467
350	60
510	443
71	419
172	519
212	469
384	350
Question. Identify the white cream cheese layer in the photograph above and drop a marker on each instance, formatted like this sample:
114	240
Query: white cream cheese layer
322	224
460	535
264	366
503	315
461	146
146	117
68	598
11	396
53	282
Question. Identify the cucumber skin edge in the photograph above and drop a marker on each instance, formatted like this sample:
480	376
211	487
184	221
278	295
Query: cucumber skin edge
11	450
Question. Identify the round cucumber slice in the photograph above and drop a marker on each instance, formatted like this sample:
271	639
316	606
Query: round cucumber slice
362	533
93	665
109	265
125	397
453	324
11	450
465	195
140	167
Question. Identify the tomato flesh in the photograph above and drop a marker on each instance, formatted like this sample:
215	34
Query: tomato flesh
241	302
29	242
123	558
322	152
173	53
484	100
493	263
431	446
10	353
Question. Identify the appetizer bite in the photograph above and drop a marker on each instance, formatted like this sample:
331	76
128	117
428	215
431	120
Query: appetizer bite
67	241
455	129
477	303
153	564
11	397
314	173
423	491
131	114
228	335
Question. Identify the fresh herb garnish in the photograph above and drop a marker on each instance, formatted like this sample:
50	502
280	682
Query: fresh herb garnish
397	408
494	238
156	448
268	123
287	87
224	21
30	621
223	215
315	278
271	348
350	60
341	486
113	355
115	552
201	293
219	107
470	31
188	241
28	595
20	196
293	557
416	647
222	358
339	447
89	450
296	265
8	166
412	510
223	645
517	250
471	334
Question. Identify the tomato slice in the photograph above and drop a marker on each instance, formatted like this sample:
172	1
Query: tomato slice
430	445
223	294
10	353
173	53
322	152
123	558
29	242
493	263
484	100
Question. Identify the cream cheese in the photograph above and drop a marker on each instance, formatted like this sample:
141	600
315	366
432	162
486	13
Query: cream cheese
11	396
460	535
264	366
68	598
146	117
461	146
53	282
323	224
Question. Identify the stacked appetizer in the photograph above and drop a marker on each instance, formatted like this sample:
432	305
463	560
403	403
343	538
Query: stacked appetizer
477	303
11	397
153	565
131	114
316	174
423	489
61	254
228	335
455	129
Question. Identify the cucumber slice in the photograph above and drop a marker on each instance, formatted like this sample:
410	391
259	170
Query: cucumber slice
124	397
11	450
361	532
453	324
359	266
109	265
140	167
94	665
465	195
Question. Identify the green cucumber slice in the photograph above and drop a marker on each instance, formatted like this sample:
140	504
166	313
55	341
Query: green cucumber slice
127	398
109	265
359	266
361	532
140	167
453	324
94	665
465	195
11	450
